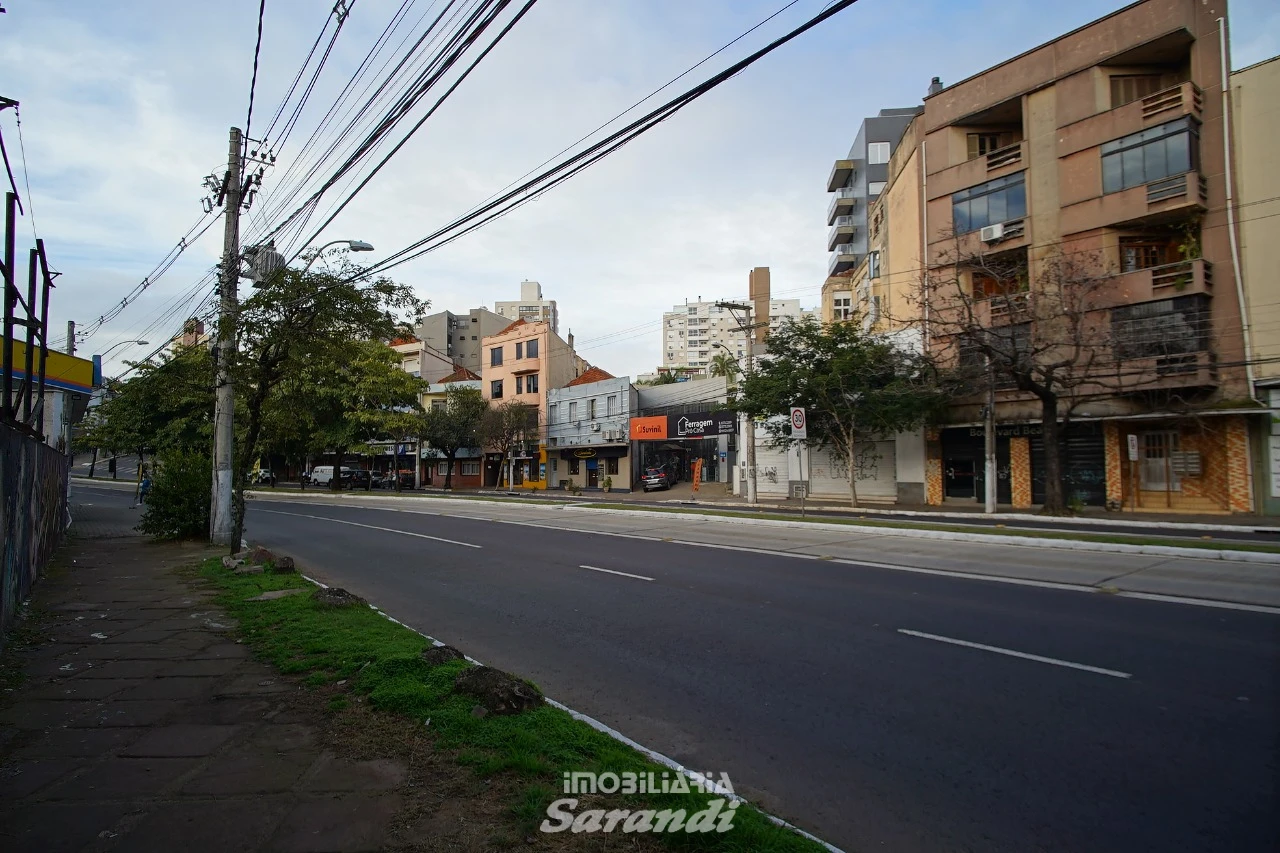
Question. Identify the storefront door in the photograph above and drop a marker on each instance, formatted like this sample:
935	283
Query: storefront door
959	478
593	473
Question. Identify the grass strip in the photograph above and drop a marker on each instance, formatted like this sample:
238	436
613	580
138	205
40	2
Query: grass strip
1068	535
380	659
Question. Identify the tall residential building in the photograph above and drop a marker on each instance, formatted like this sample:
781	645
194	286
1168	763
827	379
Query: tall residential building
857	181
531	307
1255	136
459	336
1101	153
691	331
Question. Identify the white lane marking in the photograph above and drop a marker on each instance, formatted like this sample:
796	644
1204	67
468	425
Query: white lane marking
372	527
1011	653
612	572
973	576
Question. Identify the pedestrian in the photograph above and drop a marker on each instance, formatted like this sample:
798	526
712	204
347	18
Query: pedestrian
144	487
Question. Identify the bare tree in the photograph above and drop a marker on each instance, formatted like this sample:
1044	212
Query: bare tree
506	426
1047	334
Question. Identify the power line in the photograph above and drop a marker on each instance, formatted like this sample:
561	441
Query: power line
253	81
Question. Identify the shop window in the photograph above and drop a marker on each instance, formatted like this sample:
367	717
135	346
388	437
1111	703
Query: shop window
574	466
987	204
611	466
1157	152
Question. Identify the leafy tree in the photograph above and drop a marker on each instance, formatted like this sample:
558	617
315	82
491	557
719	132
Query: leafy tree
508	425
455	425
856	387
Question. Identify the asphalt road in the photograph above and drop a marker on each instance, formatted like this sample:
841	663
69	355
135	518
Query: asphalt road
835	695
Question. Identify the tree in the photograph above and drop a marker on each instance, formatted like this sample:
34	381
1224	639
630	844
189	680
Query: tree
455	425
326	325
856	387
723	364
1046	336
507	425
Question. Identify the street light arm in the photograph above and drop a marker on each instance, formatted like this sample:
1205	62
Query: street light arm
120	344
355	246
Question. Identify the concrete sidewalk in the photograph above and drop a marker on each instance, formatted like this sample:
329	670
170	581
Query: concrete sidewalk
142	725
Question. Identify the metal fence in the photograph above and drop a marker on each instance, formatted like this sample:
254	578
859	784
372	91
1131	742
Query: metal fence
33	514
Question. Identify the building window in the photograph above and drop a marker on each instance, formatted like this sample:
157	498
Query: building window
982	144
1155	153
574	465
877	153
986	204
519	382
442	469
495	357
551	413
591	406
471	469
573	412
495	389
1140	253
1178	326
473	337
531	383
873	265
611	406
842	304
531	349
1126	88
519	350
875	188
438	405
611	465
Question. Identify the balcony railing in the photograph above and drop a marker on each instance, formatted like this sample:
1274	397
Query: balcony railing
1006	305
1171	102
842	258
844	202
1007	156
1183	274
841	232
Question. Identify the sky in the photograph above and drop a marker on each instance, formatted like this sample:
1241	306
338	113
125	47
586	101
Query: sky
125	107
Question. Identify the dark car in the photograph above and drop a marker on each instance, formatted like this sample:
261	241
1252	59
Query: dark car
360	479
656	478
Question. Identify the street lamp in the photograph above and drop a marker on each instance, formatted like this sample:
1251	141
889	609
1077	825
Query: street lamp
353	245
123	343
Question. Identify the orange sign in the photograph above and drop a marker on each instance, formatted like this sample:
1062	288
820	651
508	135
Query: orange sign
649	428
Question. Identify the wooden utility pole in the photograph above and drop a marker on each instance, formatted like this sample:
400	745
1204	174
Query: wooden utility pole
221	516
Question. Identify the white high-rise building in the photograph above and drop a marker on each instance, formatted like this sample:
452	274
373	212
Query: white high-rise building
531	307
691	331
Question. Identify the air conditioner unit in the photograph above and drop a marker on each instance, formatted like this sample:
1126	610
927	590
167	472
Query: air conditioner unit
595	427
992	233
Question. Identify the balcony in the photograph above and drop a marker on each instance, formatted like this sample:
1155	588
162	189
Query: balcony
979	170
842	204
1162	201
840	173
841	232
1165	281
1183	370
1185	99
843	258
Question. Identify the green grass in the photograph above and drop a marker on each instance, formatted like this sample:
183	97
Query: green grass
1111	538
382	660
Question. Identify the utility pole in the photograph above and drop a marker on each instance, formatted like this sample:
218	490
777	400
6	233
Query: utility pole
746	326
989	430
221	517
71	337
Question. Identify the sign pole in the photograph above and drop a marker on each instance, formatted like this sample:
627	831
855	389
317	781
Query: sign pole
1133	473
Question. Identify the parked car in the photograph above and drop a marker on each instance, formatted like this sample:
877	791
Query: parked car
322	475
361	479
656	478
262	478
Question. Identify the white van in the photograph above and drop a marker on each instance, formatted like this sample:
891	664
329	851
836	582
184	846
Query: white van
322	475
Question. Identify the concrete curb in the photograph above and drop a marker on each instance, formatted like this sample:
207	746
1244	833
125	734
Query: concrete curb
1223	554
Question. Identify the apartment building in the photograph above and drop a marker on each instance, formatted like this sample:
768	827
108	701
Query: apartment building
1101	152
693	333
468	461
531	307
587	427
523	362
419	359
857	181
1255	108
458	336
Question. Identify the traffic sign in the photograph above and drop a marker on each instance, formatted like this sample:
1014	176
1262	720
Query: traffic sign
1133	448
799	426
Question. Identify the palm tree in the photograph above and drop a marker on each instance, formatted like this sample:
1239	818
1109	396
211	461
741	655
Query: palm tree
723	364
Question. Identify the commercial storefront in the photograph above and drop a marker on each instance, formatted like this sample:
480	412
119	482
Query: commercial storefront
680	440
593	467
1020	464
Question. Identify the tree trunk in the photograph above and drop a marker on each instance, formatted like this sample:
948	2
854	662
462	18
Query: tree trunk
395	463
335	482
853	469
93	465
448	470
1054	497
248	449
